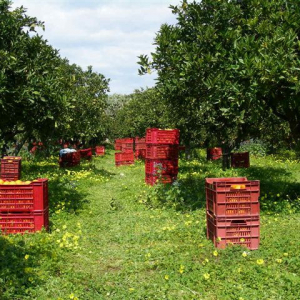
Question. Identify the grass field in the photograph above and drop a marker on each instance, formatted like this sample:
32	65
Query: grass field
113	237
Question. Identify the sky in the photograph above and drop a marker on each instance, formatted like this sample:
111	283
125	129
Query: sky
106	34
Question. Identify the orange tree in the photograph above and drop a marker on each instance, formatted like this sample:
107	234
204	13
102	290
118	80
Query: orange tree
140	110
42	96
83	115
227	66
29	86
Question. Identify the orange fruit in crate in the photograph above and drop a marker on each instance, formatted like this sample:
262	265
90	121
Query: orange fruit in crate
238	186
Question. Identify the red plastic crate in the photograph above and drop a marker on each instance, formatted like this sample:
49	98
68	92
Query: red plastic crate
100	150
126	147
162	151
161	136
214	153
127	140
140	146
164	167
11	168
10	176
24	197
12	223
140	153
124	156
86	153
139	140
152	179
233	231
70	159
240	160
117	146
232	196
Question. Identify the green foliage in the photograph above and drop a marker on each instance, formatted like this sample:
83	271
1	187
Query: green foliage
257	147
141	110
228	66
83	115
42	95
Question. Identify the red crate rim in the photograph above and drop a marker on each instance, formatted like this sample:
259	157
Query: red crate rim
232	218
160	129
225	180
12	158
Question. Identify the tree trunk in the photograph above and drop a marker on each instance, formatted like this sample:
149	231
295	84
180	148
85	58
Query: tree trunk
187	150
226	150
19	147
295	132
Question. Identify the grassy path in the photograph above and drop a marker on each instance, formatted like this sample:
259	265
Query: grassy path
105	243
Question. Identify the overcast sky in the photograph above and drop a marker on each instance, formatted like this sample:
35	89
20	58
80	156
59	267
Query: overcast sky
106	34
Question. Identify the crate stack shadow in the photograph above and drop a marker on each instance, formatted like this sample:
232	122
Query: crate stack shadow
233	211
162	150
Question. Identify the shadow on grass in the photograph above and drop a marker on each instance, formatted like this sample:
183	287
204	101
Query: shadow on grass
18	261
189	191
274	180
65	192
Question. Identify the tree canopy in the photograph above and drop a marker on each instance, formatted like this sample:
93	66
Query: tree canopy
229	66
42	95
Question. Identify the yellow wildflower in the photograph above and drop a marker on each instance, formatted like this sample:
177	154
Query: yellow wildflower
215	253
260	261
181	269
206	276
167	277
244	254
26	256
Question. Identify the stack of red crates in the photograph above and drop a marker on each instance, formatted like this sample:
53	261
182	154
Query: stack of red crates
233	211
24	206
118	143
162	149
126	156
140	148
240	160
127	145
214	153
100	150
11	168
